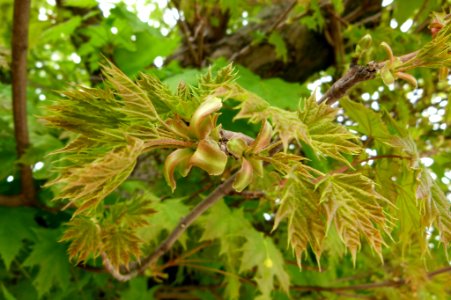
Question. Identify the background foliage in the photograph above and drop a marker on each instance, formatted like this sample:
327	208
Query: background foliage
388	202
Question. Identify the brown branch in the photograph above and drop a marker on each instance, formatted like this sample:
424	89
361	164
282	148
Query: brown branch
368	286
276	25
355	75
19	92
137	268
12	201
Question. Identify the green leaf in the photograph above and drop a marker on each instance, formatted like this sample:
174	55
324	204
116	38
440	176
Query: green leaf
65	29
354	207
300	205
268	261
368	121
50	256
6	293
278	42
16	225
326	137
138	290
434	207
164	220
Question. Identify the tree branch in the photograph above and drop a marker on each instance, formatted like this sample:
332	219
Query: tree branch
368	286
356	74
19	92
137	268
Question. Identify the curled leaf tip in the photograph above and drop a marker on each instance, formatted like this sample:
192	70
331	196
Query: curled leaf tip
177	157
244	176
201	122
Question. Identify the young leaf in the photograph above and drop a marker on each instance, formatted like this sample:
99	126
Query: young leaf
88	184
301	206
354	207
84	234
120	244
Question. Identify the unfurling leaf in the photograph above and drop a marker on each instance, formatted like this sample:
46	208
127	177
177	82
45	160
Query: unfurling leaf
244	176
263	138
179	157
86	185
202	122
365	42
386	75
209	157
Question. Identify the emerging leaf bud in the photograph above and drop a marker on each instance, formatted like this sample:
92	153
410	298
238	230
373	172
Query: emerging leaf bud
209	157
236	147
244	176
365	42
386	75
201	122
178	157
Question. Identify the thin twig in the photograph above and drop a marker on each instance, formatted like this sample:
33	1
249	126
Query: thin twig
19	92
355	75
137	268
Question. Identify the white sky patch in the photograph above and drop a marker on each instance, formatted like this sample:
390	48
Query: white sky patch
133	38
42	14
51	2
55	56
427	162
170	17
375	95
445	180
366	96
291	146
38	166
448	174
114	30
39	64
267	216
158	62
10	178
406	25
393	24
314	86
164	31
386	3
375	105
75	58
371	152
42	97
415	95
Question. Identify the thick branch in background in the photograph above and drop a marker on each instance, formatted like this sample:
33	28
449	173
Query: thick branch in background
309	51
19	89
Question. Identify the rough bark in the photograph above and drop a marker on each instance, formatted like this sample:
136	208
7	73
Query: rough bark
309	51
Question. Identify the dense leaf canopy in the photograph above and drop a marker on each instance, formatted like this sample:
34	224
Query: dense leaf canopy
225	149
